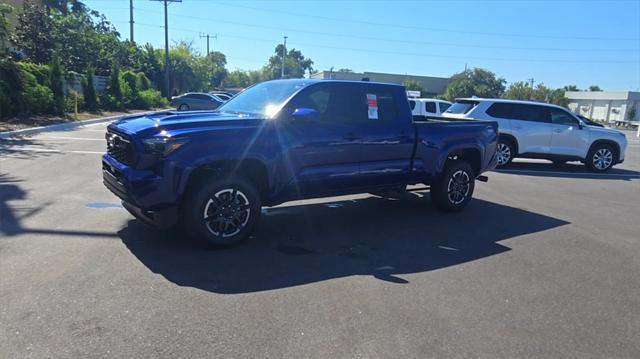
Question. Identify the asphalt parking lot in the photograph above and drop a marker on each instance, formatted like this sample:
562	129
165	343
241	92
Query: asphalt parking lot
545	262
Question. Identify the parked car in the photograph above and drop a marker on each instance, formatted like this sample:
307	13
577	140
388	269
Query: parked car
423	107
225	96
540	130
285	140
589	121
196	101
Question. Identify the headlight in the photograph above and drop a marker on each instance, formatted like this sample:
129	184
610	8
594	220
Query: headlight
163	145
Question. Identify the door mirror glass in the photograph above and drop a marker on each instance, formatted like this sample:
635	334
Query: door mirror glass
304	113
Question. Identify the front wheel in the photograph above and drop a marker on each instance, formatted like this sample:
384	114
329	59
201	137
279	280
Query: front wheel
600	158
183	107
453	189
222	212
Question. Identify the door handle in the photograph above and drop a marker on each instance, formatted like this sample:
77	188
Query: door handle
351	137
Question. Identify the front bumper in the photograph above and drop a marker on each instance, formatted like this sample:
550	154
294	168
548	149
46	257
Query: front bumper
149	197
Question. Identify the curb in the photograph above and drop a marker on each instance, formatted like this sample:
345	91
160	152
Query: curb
67	125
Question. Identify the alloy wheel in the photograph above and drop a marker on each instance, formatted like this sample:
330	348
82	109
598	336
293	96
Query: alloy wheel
458	187
504	154
602	159
227	212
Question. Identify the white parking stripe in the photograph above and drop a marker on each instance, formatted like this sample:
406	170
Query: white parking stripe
69	138
621	175
31	149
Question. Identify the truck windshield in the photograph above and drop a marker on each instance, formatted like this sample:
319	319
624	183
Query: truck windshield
263	99
462	107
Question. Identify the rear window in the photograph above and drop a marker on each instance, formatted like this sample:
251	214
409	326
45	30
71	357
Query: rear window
444	106
462	107
412	104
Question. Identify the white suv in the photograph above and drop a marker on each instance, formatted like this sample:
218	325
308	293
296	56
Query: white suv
539	130
423	107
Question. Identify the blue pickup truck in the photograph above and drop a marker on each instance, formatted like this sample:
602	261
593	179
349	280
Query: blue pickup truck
283	140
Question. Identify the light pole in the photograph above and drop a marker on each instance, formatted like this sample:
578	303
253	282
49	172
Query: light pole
131	20
167	71
284	54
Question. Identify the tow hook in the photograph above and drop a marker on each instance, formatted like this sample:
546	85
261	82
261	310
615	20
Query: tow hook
483	178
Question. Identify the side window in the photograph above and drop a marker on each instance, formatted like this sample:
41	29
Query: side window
561	117
385	103
430	107
412	104
501	110
202	97
535	113
333	102
443	106
517	111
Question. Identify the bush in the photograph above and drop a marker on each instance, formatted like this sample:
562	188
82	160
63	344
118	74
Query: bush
56	85
89	91
12	87
70	102
151	99
39	99
109	102
142	81
40	72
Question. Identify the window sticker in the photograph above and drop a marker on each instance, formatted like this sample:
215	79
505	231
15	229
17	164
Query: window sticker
372	102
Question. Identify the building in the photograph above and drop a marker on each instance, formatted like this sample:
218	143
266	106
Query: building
433	86
605	105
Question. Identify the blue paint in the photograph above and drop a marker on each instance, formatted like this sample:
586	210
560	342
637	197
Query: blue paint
103	205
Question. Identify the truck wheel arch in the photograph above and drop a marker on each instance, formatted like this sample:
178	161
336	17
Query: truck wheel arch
470	155
252	169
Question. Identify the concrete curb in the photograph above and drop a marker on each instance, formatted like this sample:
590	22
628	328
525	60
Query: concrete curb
67	125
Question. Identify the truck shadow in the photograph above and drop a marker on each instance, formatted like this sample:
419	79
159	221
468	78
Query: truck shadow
303	244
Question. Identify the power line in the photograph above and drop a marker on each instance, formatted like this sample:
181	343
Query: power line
416	42
415	27
313	45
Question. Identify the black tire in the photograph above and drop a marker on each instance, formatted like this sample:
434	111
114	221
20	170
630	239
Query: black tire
600	158
506	148
232	199
448	193
183	107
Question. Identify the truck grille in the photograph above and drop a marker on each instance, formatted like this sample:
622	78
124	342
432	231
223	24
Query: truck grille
120	148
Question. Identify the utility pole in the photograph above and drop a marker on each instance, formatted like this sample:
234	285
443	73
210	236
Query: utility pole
531	81
167	82
131	20
207	36
284	54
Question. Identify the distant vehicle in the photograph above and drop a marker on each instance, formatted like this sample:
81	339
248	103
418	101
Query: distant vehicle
423	107
540	130
222	95
285	140
590	122
196	101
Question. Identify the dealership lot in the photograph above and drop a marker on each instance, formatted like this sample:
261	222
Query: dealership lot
544	262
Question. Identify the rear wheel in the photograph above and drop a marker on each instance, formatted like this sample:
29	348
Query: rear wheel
183	107
453	190
222	212
600	158
505	152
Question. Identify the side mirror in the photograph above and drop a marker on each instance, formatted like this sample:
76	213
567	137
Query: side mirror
580	124
305	114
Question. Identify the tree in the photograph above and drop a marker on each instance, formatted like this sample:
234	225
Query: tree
295	64
89	90
57	85
215	64
34	33
594	88
114	88
571	88
4	27
522	91
413	85
474	82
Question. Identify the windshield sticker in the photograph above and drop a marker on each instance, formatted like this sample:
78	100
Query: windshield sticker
372	102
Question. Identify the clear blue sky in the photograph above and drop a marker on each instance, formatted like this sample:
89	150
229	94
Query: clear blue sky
555	42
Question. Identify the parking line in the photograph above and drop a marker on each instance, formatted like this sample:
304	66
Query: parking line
621	175
30	149
70	138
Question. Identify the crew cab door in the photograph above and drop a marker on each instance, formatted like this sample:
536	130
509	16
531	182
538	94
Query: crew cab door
324	149
567	138
387	137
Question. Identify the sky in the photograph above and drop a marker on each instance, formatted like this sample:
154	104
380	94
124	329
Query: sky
557	43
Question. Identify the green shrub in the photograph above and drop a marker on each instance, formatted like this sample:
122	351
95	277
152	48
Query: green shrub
70	102
109	102
12	87
40	72
151	99
39	99
142	81
56	85
89	90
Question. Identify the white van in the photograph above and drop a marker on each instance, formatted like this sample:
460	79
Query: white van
423	107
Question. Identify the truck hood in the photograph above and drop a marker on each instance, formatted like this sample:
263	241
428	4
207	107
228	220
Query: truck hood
180	122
